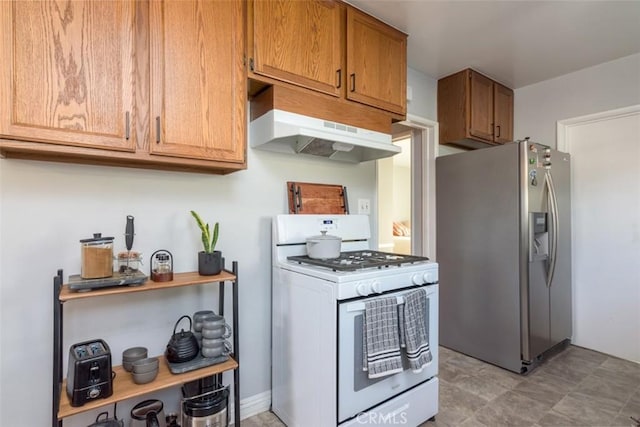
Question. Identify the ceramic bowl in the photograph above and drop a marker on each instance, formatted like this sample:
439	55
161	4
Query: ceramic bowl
130	355
145	365
146	377
134	353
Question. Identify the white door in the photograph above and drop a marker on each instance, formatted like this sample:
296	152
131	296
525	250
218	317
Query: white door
605	151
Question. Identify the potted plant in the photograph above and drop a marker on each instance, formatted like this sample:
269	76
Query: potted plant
209	260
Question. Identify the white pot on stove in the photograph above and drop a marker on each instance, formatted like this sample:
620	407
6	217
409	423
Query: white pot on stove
324	246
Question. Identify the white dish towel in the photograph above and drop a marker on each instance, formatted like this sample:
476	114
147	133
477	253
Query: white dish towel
381	343
413	317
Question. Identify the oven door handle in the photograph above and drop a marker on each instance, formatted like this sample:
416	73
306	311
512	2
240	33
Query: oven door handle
359	306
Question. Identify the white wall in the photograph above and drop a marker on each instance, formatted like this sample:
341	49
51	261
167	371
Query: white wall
385	201
424	95
401	194
603	87
596	89
46	208
444	150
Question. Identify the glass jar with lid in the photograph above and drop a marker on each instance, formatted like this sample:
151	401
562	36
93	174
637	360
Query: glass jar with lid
161	266
97	257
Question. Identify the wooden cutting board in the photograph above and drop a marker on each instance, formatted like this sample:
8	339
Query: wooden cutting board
310	198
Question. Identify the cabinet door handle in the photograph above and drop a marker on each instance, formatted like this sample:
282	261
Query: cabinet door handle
353	82
158	129
338	78
498	135
127	126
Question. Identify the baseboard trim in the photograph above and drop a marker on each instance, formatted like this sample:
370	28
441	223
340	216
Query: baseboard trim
253	405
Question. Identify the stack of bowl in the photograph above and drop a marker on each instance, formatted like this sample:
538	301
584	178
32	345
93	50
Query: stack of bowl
145	370
132	354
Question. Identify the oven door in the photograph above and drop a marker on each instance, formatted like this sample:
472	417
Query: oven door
356	392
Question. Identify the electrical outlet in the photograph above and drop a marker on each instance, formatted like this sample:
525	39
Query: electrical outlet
364	206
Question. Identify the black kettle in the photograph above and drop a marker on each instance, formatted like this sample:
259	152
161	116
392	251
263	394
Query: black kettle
103	420
183	346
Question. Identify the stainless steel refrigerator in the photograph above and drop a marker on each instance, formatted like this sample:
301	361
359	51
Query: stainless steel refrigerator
503	243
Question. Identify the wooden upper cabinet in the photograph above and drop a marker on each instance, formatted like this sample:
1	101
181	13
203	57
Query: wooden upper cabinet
299	42
474	111
198	80
481	107
376	63
67	72
503	113
328	46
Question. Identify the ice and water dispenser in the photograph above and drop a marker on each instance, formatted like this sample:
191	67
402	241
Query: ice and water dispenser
538	237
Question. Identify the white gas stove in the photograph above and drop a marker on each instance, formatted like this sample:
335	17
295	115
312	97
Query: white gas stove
318	308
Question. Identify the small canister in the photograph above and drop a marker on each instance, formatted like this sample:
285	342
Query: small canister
161	266
97	257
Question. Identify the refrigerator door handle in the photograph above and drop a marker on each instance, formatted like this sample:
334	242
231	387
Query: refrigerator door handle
553	206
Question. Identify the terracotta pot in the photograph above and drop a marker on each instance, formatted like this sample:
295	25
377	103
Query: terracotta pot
209	264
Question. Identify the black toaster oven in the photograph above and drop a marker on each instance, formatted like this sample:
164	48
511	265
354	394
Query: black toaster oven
89	376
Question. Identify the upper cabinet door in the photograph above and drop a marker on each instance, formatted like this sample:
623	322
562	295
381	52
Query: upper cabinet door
198	79
503	113
481	106
66	74
376	63
299	42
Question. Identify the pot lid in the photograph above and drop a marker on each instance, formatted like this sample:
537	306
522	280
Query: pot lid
97	237
325	236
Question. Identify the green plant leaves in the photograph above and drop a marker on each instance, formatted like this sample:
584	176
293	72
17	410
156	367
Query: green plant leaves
208	241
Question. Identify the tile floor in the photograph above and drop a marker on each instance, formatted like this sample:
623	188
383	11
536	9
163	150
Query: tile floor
577	387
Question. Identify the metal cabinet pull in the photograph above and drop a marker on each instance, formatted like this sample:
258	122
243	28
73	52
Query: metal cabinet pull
158	129
498	135
298	204
338	78
127	126
353	82
345	199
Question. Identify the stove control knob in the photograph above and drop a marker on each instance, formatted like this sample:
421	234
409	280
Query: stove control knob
430	277
376	287
362	289
416	279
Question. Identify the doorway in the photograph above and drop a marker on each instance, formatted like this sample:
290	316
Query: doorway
406	190
605	188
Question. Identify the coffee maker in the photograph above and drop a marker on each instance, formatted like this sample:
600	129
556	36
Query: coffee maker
204	403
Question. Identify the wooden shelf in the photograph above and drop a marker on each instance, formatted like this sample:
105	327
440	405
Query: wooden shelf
179	279
124	387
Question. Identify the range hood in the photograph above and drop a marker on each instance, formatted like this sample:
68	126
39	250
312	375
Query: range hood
287	132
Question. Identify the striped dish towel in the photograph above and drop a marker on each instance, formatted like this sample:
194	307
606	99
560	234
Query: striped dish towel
381	344
415	313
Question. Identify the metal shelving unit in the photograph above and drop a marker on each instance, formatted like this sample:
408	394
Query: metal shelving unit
123	386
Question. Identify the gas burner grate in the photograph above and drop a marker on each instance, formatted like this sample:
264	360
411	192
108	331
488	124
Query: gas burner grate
358	260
